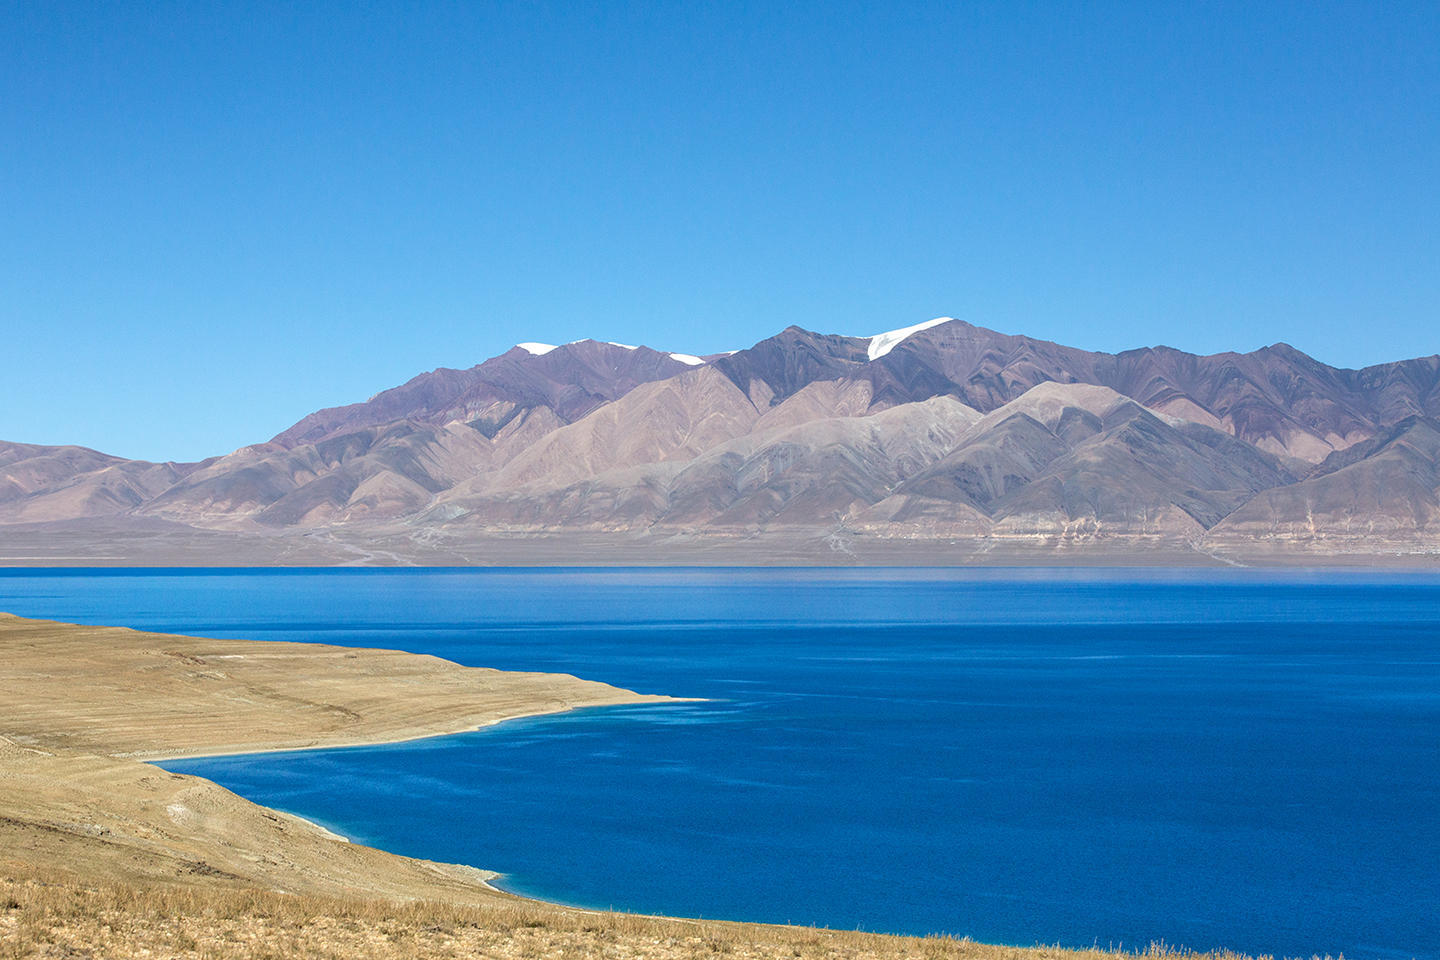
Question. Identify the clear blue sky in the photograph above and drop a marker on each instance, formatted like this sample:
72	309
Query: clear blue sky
216	218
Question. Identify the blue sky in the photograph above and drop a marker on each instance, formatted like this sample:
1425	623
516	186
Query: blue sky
217	218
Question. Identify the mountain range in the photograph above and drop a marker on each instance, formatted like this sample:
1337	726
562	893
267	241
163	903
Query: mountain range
935	442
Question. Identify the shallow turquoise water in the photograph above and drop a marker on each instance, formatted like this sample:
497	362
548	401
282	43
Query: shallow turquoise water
1211	759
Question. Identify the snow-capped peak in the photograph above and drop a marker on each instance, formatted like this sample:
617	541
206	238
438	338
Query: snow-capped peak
608	343
540	349
883	343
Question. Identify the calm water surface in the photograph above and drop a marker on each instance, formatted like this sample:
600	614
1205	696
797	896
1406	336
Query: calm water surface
1212	759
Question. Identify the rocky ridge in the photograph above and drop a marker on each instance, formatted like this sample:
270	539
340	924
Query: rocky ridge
936	431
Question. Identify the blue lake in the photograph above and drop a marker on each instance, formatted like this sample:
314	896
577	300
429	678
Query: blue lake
1215	759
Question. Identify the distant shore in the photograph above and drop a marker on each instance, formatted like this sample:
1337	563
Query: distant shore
384	741
147	542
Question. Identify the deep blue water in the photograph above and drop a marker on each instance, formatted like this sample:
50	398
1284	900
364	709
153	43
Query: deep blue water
1212	759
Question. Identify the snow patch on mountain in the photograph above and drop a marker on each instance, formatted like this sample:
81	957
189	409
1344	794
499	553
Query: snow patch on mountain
883	343
609	343
540	349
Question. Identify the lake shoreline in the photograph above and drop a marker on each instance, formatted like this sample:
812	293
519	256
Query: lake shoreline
391	741
78	821
84	710
284	694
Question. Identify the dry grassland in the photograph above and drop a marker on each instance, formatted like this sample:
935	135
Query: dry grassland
58	917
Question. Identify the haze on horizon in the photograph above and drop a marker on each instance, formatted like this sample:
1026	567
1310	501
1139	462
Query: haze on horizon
221	219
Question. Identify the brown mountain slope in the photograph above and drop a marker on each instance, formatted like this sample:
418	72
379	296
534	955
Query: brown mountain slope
1276	398
673	419
372	473
1064	455
570	380
1386	491
29	468
808	474
40	483
823	432
390	456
